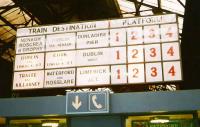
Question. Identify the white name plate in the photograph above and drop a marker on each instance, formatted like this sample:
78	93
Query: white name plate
28	80
99	75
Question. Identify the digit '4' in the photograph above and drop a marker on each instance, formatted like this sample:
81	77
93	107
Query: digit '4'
172	71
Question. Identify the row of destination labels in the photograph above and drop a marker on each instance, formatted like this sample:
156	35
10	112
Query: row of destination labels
101	56
99	75
98	38
94	25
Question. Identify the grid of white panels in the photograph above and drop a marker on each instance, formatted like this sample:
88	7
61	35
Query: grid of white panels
114	55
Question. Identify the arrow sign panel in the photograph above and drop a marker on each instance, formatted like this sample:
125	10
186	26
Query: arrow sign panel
76	102
87	102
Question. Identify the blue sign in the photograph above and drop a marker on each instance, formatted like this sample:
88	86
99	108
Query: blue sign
76	102
98	102
87	102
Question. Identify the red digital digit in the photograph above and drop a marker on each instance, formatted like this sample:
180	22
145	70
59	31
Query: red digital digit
135	52
117	37
118	74
171	51
172	71
135	73
153	52
118	55
153	71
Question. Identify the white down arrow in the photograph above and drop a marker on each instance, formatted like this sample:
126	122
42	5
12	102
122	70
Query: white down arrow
76	103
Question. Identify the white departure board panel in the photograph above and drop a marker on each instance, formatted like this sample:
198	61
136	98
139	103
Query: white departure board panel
93	76
135	35
117	55
125	51
89	57
30	44
117	37
136	73
60	59
29	62
57	42
91	39
152	52
118	74
60	78
28	80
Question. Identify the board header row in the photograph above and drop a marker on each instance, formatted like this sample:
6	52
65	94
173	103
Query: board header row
83	26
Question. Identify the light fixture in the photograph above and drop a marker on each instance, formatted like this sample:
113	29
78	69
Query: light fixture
50	123
159	119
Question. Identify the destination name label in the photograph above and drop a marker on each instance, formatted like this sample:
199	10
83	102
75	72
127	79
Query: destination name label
28	80
60	78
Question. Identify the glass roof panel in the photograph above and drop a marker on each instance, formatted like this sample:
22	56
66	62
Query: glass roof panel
6	3
128	15
126	6
4	29
6	36
2	23
145	8
14	16
183	1
32	23
12	32
151	2
173	5
19	20
145	13
11	11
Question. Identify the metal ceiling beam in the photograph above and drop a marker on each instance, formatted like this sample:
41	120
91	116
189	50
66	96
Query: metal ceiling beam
27	12
30	15
137	6
165	10
159	4
8	23
6	8
181	3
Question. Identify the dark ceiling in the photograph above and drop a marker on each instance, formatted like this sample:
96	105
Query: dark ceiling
61	11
